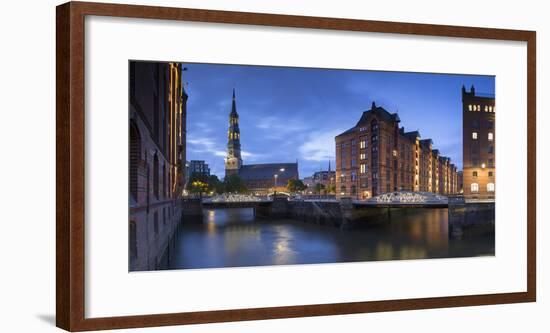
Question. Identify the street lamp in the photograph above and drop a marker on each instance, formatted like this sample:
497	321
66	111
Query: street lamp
275	185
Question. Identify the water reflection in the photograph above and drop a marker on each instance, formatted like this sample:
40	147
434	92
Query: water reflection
232	237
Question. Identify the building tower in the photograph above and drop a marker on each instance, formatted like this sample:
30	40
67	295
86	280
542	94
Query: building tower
478	117
233	161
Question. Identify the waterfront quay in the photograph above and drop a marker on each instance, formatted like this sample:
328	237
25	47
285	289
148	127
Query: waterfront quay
283	231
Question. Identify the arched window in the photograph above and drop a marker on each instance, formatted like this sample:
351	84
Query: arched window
156	175
374	125
490	136
474	187
135	157
490	187
132	231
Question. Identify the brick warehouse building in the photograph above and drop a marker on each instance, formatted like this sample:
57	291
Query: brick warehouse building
478	118
377	156
157	125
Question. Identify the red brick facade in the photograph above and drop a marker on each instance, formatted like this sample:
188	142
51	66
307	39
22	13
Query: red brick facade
157	128
377	156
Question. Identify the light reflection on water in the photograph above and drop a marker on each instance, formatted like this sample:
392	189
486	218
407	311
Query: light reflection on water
232	238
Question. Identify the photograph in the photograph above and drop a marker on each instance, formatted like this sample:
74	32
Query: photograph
236	165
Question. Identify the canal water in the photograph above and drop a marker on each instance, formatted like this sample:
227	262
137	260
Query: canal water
234	238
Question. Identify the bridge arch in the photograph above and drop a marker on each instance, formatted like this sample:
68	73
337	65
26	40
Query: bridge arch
279	193
409	197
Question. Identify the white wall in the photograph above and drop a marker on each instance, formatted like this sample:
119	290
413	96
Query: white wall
27	138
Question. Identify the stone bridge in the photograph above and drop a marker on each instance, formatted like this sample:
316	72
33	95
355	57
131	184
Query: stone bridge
346	212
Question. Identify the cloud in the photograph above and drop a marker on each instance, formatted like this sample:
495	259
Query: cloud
204	145
319	146
208	146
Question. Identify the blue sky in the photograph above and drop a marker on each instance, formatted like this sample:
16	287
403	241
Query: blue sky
291	113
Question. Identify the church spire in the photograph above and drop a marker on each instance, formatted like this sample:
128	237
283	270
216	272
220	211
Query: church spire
233	160
234	105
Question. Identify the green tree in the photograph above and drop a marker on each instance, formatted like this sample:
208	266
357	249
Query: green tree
234	183
319	187
331	188
215	185
198	187
295	185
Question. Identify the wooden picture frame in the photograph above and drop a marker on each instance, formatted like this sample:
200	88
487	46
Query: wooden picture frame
70	194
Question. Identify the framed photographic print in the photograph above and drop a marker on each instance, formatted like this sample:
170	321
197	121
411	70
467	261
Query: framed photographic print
222	166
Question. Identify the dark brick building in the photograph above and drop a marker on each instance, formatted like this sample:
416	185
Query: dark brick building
478	117
157	126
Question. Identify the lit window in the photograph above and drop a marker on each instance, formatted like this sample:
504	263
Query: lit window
490	136
474	135
490	187
486	108
363	144
363	156
478	108
363	168
470	107
474	187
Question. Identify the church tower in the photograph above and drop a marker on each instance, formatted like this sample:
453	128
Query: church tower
233	161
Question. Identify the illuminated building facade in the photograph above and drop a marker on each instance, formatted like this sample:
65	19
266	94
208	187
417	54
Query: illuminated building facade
157	126
377	156
478	116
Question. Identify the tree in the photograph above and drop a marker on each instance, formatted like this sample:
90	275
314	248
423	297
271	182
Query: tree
319	187
234	183
198	186
215	185
295	185
331	188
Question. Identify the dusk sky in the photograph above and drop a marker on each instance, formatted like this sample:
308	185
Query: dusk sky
288	114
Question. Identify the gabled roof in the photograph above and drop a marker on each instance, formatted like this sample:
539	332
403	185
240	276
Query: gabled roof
412	135
351	130
377	111
268	171
426	142
380	113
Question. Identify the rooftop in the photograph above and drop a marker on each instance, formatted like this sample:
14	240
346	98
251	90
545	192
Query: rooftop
268	171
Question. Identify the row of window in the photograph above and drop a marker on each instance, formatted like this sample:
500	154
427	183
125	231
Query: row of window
490	174
490	136
477	108
474	187
233	135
